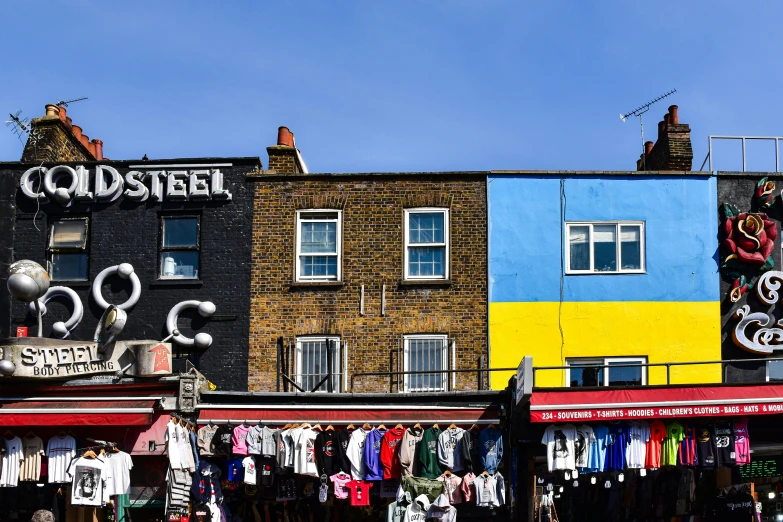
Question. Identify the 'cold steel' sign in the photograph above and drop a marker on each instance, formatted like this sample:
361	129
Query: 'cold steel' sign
65	184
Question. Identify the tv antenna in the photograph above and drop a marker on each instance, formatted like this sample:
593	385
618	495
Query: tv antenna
19	126
64	103
641	110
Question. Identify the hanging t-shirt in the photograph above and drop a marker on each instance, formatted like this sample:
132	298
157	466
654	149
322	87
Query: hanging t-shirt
559	442
741	442
585	438
253	440
638	435
390	453
239	440
490	448
12	458
268	446
686	455
342	438
705	445
671	444
221	441
372	455
340	480
305	453
118	466
235	470
597	460
733	504
327	455
356	453
724	444
60	451
204	440
249	467
453	486
32	448
280	456
87	486
360	492
409	446
265	467
652	459
618	444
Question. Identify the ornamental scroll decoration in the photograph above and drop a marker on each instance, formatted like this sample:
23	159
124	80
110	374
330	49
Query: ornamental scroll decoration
748	241
766	335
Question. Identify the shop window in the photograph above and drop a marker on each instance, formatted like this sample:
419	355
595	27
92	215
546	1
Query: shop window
318	245
614	371
605	247
423	353
312	362
179	247
426	243
775	370
67	252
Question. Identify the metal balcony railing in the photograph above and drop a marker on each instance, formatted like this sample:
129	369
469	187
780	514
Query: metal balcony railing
744	140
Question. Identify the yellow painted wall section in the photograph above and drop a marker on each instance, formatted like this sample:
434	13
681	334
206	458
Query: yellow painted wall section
661	331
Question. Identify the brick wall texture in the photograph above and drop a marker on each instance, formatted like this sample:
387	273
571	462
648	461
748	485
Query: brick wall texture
372	246
55	142
672	151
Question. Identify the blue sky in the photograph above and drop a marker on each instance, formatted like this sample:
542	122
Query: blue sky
371	85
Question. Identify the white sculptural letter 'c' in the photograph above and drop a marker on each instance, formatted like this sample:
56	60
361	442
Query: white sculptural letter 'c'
202	340
125	271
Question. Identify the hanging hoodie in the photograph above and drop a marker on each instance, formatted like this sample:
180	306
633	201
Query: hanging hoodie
428	454
467	450
221	441
356	453
417	510
453	486
305	453
206	483
372	455
327	453
450	449
486	491
396	510
490	448
342	438
441	510
390	453
500	490
409	446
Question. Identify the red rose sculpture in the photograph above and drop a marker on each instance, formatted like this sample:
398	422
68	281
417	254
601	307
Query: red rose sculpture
749	237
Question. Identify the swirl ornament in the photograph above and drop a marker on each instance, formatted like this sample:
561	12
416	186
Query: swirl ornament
768	334
61	329
202	340
125	271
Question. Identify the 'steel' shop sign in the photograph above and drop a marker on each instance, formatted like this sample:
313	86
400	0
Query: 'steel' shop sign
65	184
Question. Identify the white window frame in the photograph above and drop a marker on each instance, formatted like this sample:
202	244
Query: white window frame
336	361
604	361
618	224
52	250
406	362
407	244
338	240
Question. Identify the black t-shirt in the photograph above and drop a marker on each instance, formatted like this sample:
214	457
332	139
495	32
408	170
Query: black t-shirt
327	453
265	471
201	513
733	504
221	440
342	438
724	444
705	446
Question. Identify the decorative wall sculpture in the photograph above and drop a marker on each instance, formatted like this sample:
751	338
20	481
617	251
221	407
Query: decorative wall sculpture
61	329
766	335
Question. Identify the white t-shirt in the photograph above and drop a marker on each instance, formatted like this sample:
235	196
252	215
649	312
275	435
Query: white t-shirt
12	458
32	447
89	477
305	453
355	453
559	440
249	464
60	451
636	452
118	466
292	451
172	445
585	438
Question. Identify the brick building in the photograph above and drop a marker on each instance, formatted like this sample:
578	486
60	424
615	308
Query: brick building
369	273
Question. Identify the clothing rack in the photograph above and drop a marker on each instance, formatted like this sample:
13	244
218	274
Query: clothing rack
404	422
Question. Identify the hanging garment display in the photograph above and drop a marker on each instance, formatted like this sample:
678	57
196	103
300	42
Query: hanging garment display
372	454
327	453
450	450
741	442
468	489
340	480
674	435
491	448
12	459
453	487
250	471
687	454
583	446
304	442
60	451
395	512
417	510
559	442
239	440
390	453
280	450
356	453
185	451
423	486
486	491
602	439
221	441
88	483
636	451
441	510
342	439
360	492
118	465
266	467
652	456
253	440
409	448
618	443
428	453
724	444
32	450
205	437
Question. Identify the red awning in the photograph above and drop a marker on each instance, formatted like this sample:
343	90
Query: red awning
282	414
56	412
655	403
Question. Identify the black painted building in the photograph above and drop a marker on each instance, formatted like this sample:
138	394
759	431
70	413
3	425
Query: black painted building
184	225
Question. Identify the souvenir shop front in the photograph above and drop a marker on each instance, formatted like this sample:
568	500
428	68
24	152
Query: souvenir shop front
84	450
342	457
654	453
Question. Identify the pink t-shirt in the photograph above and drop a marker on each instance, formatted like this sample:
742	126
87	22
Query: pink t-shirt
453	486
238	440
340	480
468	489
741	442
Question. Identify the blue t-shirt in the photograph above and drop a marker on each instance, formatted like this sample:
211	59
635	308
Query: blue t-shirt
490	448
236	473
596	452
618	443
372	455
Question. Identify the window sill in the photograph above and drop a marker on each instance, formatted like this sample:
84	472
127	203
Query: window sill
318	284
425	282
177	282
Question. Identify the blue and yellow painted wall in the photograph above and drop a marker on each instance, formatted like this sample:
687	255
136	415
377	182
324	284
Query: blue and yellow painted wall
671	313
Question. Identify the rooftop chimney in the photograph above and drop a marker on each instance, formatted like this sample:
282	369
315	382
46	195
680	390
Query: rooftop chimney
59	140
673	150
283	157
